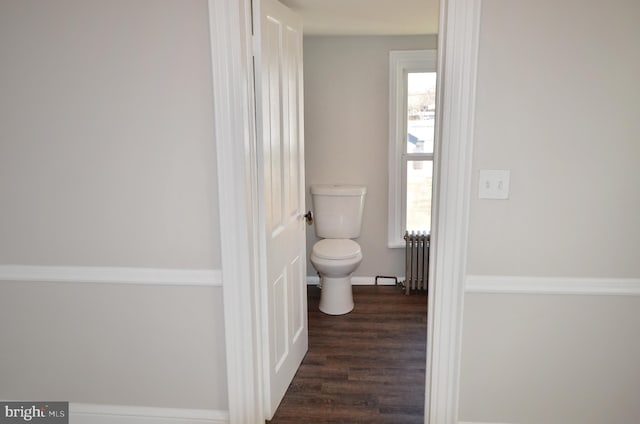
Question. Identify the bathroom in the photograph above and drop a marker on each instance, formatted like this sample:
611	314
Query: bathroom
346	92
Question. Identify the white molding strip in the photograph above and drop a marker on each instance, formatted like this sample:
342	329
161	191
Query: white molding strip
552	285
230	24
457	70
313	280
112	275
476	422
86	413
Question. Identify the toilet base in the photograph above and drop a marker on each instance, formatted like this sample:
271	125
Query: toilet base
336	297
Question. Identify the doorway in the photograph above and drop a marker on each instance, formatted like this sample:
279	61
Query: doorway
347	142
230	36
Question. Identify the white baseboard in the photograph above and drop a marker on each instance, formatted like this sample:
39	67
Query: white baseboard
314	280
84	413
112	275
552	285
477	422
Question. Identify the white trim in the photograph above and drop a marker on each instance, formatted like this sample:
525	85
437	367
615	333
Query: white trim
314	280
87	413
457	69
552	285
112	275
232	80
401	61
477	422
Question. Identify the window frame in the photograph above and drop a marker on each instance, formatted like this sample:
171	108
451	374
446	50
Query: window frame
402	62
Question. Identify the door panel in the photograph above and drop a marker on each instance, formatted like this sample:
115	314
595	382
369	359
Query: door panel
281	161
272	120
299	315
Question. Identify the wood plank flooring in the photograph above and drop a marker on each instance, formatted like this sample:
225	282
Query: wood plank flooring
367	366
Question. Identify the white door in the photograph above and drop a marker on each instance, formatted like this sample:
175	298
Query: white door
282	196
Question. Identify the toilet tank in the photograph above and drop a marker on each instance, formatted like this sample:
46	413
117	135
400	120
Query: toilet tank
337	210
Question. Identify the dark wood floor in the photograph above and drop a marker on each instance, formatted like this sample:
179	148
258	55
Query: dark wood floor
364	367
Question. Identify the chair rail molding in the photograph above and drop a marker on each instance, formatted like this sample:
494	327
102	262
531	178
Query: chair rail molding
507	284
111	275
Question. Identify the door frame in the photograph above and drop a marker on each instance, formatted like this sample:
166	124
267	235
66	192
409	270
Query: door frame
458	41
235	137
230	30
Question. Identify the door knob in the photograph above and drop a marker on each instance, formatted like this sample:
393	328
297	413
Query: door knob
309	217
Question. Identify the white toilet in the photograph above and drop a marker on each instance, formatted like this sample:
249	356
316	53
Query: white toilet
338	218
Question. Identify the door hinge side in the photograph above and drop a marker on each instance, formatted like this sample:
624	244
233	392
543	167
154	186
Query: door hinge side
252	17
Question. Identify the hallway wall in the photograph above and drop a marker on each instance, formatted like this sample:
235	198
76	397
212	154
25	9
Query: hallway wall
552	312
108	168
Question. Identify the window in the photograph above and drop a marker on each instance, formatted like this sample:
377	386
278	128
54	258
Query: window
412	100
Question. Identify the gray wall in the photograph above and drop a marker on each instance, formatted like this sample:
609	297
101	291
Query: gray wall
558	107
346	82
156	346
107	158
550	359
557	104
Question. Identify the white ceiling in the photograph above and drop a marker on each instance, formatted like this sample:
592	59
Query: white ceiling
367	17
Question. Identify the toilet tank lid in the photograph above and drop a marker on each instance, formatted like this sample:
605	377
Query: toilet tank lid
336	249
338	189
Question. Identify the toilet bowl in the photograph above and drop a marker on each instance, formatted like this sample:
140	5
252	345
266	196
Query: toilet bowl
335	260
338	218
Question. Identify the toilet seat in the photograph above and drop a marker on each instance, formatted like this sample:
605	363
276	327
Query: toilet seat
336	249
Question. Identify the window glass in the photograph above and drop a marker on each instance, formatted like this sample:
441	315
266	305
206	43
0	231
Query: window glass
419	176
421	109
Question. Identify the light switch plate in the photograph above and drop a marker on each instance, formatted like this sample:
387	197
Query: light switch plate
494	184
